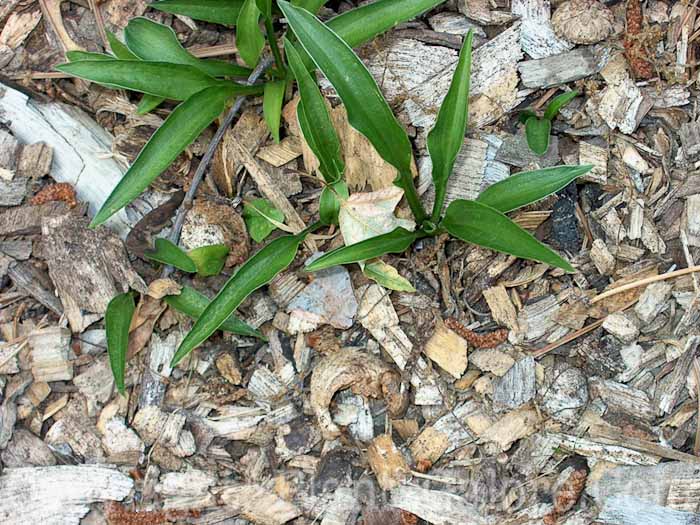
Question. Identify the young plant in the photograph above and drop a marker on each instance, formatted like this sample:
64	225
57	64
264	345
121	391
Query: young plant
482	222
153	62
537	129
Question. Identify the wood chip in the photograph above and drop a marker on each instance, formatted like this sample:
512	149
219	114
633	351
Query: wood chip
387	463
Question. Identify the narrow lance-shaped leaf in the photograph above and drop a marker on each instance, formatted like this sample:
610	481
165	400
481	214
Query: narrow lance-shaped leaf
265	7
209	260
479	224
314	120
362	24
386	275
527	187
396	241
192	303
537	133
152	41
181	127
167	252
74	56
367	110
174	81
273	97
447	136
224	12
148	102
117	320
257	271
249	37
557	103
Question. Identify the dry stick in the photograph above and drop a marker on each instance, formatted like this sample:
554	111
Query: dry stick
100	22
643	282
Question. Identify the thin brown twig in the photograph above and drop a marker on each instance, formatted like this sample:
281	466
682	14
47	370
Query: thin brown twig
643	282
99	21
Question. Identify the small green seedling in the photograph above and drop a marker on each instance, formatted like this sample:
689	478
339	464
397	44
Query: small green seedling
538	129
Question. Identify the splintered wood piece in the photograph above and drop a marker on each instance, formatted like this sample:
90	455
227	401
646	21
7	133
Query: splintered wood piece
684	495
435	506
153	425
692	219
517	386
502	308
52	15
616	453
387	463
668	394
623	399
622	104
277	155
603	260
342	509
27	450
51	354
537	36
515	425
89	267
653	301
559	69
448	350
428	447
256	504
59	495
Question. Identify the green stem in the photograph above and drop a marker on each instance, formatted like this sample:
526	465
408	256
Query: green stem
439	202
411	194
272	39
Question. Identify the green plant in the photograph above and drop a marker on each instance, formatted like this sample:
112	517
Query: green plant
311	44
537	129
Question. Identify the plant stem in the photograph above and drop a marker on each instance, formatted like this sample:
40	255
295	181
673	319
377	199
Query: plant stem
409	190
272	39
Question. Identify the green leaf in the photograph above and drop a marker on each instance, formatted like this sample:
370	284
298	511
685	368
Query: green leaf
117	320
367	110
224	12
74	56
167	252
312	6
119	49
525	115
209	260
152	41
272	106
192	303
257	271
559	102
181	127
527	187
256	214
362	24
265	7
148	103
387	276
249	37
485	226
446	138
537	132
174	81
397	241
321	136
329	204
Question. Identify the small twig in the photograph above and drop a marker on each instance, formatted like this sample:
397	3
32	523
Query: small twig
100	22
206	159
643	282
